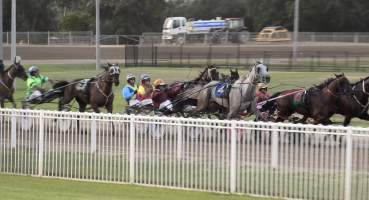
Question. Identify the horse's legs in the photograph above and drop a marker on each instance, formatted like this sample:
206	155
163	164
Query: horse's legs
364	116
2	103
109	107
63	101
11	99
347	121
81	108
95	108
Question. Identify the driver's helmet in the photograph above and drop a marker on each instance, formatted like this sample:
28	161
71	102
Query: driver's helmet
145	77
262	86
159	82
130	76
33	69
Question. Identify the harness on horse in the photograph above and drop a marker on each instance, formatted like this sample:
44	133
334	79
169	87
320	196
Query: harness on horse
364	107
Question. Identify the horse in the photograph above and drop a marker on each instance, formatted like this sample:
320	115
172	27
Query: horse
8	76
96	91
355	105
241	95
318	102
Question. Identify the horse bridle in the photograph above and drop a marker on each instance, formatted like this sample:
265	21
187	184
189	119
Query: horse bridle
113	70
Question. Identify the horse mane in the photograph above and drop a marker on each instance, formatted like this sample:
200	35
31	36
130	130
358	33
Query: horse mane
201	74
324	84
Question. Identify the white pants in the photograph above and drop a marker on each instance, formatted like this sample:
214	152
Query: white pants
35	95
167	105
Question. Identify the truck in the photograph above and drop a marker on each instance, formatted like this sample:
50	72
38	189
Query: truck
179	30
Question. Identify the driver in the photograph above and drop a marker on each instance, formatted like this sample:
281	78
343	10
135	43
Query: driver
35	83
145	88
262	93
129	91
160	96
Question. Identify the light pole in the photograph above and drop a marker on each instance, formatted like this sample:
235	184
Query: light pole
97	35
295	32
14	30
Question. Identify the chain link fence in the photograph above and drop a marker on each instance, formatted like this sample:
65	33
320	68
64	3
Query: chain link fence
226	56
88	38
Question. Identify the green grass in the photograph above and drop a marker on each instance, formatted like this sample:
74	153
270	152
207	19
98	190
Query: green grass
281	80
28	188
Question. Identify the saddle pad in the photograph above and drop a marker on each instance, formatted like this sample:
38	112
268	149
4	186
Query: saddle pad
298	99
221	90
82	84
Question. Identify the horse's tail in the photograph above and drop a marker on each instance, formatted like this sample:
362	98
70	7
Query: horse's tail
60	86
270	105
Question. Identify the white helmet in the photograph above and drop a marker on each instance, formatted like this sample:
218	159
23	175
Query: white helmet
145	77
33	69
130	76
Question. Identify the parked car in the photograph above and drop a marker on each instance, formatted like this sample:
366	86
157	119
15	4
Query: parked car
273	34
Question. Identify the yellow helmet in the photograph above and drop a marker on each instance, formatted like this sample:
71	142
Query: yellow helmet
158	82
262	86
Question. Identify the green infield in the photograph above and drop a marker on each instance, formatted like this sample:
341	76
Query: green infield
281	80
29	188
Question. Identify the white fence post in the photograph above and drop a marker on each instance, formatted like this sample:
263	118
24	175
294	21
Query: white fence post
13	136
275	147
132	150
232	166
41	145
28	38
93	135
179	141
348	171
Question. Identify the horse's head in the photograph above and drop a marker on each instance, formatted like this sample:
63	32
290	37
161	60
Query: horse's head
17	69
261	72
211	73
112	73
340	85
234	74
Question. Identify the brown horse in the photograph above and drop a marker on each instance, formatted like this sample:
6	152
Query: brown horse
319	102
16	70
95	91
357	104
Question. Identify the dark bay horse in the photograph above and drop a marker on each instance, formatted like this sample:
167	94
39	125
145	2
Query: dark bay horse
355	105
8	76
319	102
97	91
187	95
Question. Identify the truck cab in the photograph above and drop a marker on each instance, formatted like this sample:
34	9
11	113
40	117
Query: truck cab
172	27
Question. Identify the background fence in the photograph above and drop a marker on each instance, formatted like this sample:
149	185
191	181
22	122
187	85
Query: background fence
280	160
88	38
309	59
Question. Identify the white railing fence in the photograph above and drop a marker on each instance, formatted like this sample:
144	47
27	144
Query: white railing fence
279	160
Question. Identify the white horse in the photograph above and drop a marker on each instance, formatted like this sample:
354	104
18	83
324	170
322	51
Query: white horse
241	96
